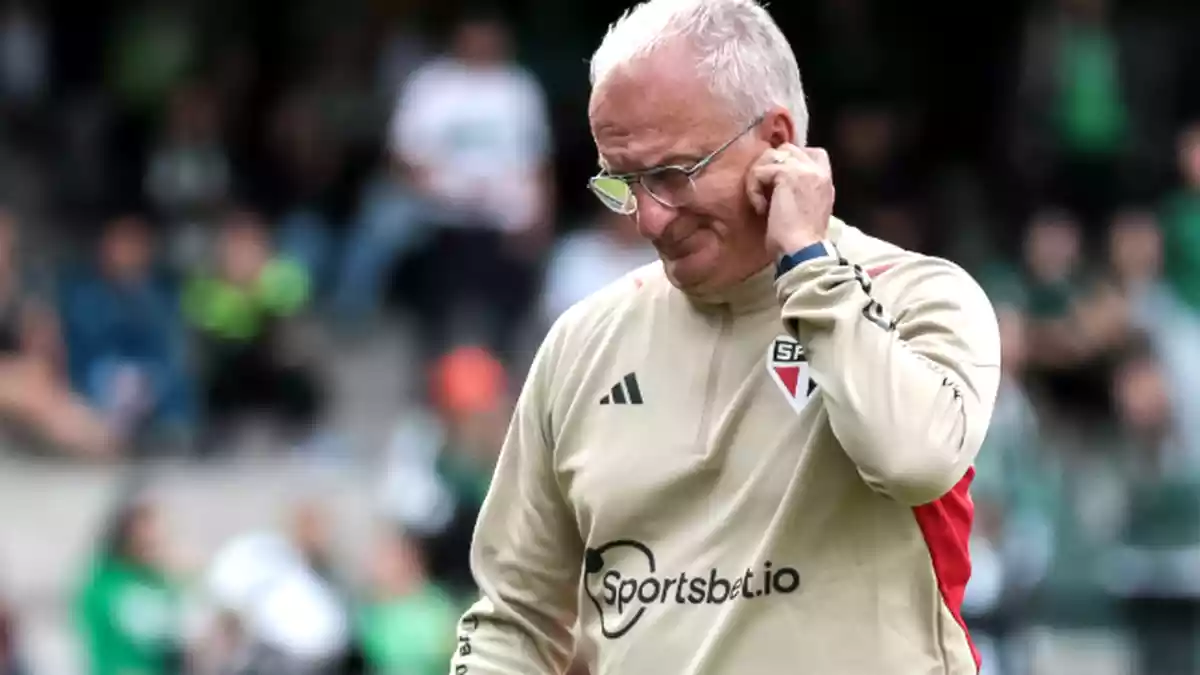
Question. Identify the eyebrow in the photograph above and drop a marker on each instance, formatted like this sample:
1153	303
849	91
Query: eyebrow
670	160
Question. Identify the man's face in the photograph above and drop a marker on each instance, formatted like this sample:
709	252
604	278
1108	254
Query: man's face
657	112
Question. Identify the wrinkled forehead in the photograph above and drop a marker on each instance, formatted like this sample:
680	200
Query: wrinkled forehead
649	113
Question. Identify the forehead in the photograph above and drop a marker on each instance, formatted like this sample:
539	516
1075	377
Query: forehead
649	111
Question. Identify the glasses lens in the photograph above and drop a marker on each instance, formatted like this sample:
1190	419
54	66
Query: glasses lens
670	187
615	193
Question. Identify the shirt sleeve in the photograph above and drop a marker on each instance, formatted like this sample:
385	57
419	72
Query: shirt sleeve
527	552
909	378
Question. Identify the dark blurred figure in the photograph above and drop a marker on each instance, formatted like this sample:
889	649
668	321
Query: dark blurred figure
471	393
407	623
1093	107
440	467
151	48
241	306
188	174
1060	357
1156	569
11	658
24	70
873	145
125	336
306	186
35	390
469	195
128	609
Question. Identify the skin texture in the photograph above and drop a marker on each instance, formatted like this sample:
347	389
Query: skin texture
748	208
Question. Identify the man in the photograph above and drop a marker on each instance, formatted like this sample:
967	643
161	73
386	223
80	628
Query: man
471	156
753	456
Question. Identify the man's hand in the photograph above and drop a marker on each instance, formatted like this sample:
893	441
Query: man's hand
793	187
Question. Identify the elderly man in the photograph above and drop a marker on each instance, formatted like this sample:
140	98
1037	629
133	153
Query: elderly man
754	455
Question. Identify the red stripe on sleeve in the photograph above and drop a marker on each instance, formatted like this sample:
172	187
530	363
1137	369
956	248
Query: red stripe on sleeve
946	526
876	271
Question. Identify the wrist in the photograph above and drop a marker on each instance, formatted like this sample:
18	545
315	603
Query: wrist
812	251
792	242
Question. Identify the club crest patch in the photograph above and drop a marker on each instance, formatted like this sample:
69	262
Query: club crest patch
788	367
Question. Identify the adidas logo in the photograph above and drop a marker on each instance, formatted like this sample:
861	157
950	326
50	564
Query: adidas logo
624	392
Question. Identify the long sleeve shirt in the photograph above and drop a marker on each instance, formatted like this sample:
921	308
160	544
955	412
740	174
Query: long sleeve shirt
772	479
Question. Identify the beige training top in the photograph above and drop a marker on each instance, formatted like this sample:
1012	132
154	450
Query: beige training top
772	481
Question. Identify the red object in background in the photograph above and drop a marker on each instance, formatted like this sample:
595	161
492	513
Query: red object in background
468	380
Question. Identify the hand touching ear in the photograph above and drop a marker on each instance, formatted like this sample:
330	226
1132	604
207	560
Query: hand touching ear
793	187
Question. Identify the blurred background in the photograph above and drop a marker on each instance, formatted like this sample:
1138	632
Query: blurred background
270	273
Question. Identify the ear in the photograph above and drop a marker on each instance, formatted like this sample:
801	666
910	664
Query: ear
778	128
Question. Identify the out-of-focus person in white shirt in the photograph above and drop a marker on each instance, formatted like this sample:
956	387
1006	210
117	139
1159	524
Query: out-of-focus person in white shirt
470	186
590	258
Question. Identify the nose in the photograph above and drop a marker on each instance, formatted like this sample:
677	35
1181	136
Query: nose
652	217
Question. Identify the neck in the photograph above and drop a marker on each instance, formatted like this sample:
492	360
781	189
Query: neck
754	291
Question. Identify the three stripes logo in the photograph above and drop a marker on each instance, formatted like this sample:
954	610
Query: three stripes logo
624	392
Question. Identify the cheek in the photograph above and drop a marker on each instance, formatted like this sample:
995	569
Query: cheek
724	206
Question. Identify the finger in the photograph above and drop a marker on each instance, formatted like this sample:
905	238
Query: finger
764	180
769	156
760	183
793	150
756	191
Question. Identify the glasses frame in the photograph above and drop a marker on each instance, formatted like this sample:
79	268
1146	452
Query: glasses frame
638	177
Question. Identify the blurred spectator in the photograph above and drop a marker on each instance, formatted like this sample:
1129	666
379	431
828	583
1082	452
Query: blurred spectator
439	475
276	615
128	608
588	259
407	624
471	146
125	336
152	48
1181	222
1092	106
1144	303
152	45
308	168
24	67
343	89
241	306
1014	493
1063	362
874	167
1157	568
35	392
188	175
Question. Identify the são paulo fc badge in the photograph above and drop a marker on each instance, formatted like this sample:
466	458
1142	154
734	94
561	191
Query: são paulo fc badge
788	366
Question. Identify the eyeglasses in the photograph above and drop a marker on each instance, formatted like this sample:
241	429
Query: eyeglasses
672	186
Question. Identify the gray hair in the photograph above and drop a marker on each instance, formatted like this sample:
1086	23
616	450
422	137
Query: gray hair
740	49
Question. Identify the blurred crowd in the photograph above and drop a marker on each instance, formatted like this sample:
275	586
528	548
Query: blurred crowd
207	205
